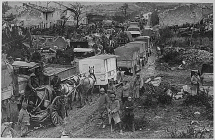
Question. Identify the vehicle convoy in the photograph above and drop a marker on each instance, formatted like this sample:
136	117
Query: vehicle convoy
129	58
143	51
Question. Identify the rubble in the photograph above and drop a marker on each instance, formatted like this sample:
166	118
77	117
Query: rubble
190	56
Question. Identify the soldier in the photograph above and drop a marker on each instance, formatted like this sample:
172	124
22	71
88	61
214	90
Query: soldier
125	91
103	101
55	82
111	87
31	85
195	81
136	86
113	112
129	113
24	119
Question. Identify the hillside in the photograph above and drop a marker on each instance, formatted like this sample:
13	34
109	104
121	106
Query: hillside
189	13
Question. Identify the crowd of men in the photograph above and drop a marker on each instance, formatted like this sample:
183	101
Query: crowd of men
117	106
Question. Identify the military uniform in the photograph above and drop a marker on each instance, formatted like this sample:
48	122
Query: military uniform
125	92
195	81
114	106
55	82
129	114
33	83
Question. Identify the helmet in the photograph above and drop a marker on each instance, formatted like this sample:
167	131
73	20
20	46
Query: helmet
112	92
112	95
102	90
31	103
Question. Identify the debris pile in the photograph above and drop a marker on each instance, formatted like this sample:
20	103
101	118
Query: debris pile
193	56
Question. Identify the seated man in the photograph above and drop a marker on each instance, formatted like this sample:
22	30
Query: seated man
113	112
129	113
33	108
32	84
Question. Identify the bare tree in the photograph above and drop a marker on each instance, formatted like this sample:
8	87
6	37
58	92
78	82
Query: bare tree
77	9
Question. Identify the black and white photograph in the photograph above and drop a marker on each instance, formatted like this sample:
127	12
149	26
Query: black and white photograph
107	69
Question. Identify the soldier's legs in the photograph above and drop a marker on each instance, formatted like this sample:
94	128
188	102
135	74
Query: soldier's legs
24	130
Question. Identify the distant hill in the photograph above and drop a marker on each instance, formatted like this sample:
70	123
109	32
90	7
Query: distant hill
186	13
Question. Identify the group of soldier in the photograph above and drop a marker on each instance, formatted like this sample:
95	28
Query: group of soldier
120	111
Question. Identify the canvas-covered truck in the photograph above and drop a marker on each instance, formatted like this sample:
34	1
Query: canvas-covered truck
129	58
104	68
147	31
143	50
148	44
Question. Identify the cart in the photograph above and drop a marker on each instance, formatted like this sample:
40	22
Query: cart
52	107
104	68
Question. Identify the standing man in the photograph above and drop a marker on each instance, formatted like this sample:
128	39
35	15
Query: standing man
129	113
55	82
136	86
24	119
113	112
125	91
103	102
195	81
111	87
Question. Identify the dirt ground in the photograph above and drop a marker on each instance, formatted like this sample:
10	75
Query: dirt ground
85	122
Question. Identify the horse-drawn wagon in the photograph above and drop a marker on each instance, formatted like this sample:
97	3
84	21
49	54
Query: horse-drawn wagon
44	102
103	66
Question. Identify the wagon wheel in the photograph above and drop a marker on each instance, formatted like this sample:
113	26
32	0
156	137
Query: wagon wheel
57	111
9	132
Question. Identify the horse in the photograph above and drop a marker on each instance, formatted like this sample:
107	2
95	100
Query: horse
68	88
85	86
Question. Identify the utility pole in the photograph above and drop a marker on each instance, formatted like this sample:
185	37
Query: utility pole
194	17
